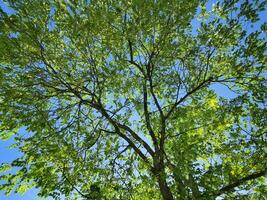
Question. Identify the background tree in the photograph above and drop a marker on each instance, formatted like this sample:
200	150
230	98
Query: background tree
119	98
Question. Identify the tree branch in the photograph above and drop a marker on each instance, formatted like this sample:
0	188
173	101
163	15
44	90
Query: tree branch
187	95
117	127
147	118
73	186
132	58
231	186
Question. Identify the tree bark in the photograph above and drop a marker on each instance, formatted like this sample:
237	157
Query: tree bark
159	171
164	188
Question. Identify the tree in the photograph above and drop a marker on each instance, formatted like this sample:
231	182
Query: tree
122	99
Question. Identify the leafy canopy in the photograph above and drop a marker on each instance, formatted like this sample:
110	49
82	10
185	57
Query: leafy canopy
134	99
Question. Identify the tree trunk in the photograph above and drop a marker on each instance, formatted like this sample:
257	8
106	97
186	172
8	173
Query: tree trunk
159	171
164	188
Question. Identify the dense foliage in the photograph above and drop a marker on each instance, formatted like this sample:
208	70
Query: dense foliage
134	99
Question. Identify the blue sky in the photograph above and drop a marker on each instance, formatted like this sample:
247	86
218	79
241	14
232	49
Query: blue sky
7	155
